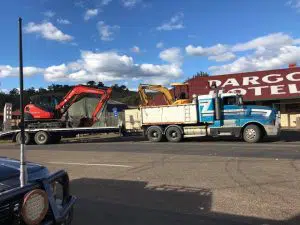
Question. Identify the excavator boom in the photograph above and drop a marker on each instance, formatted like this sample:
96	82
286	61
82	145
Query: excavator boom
72	95
144	97
169	99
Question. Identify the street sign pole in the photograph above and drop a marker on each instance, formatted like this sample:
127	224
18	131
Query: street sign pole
23	166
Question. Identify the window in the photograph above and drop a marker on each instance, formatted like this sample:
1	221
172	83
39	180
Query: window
230	100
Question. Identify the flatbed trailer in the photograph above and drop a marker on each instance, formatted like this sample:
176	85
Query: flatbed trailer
42	136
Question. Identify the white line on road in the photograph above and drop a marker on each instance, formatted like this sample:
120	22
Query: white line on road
90	164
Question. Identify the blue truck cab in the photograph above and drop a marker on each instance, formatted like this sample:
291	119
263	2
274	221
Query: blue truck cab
226	114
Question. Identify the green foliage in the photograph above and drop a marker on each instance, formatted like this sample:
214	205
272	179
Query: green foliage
92	83
201	74
120	93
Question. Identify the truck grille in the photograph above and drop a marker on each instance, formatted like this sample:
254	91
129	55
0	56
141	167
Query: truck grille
9	213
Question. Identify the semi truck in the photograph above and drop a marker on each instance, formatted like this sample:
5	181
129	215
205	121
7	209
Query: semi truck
220	114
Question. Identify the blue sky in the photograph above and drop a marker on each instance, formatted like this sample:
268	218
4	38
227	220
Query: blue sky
137	41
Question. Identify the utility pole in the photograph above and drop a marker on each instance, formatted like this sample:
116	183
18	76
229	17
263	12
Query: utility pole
23	166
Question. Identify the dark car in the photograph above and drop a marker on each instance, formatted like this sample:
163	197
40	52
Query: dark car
44	200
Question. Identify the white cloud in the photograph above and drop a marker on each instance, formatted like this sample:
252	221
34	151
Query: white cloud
9	71
90	13
110	66
49	13
172	55
102	66
63	21
6	91
275	50
105	2
48	31
279	58
294	4
175	23
160	45
222	57
130	3
274	40
201	51
107	31
80	4
55	73
135	49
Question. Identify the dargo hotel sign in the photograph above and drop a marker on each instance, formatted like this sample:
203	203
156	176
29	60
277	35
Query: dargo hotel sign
261	85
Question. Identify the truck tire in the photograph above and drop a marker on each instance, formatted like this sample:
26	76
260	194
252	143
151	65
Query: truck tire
154	134
174	134
27	138
41	138
252	134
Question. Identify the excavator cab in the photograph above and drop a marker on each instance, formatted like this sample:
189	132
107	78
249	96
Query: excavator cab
183	89
45	102
41	107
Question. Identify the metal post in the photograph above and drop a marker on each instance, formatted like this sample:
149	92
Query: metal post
23	167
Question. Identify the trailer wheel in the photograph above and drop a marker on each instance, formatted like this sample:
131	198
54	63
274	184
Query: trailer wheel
174	134
252	134
41	138
154	134
27	138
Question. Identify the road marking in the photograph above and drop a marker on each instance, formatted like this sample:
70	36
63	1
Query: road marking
90	164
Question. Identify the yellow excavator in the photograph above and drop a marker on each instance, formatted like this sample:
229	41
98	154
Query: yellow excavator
170	100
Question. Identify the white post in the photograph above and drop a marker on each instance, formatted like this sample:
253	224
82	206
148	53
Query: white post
7	116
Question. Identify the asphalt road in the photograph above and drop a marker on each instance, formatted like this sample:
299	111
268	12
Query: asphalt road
131	181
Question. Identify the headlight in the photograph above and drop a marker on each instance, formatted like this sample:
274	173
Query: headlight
35	207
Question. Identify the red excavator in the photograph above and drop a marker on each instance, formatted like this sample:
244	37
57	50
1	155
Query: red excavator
47	111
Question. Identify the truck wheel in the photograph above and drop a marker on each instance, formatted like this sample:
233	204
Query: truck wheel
174	134
27	138
154	134
41	138
252	134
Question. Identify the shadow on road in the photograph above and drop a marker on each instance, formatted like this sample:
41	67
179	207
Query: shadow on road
285	136
115	202
290	135
104	138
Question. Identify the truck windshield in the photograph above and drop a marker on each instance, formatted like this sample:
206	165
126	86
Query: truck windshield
240	100
233	100
230	100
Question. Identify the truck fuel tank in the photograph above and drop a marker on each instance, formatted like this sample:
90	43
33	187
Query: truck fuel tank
195	131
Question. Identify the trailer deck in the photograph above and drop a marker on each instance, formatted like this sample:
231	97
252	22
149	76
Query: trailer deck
79	130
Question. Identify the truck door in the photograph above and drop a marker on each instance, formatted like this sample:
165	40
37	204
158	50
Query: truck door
232	111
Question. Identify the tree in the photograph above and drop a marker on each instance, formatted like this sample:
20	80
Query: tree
100	84
91	83
201	74
42	90
30	91
14	92
59	88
